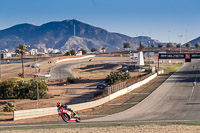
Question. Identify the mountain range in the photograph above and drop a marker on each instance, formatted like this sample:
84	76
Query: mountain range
60	35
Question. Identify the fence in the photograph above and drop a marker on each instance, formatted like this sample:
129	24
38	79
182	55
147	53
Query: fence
119	86
114	88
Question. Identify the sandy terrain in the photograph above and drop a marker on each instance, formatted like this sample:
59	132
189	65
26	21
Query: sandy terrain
118	129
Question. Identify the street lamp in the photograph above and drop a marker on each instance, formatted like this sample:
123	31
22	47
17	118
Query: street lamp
37	68
180	41
38	94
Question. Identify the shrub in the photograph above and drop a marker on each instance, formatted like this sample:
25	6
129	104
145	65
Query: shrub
93	49
11	89
32	87
117	76
72	52
71	80
10	107
84	52
67	53
8	89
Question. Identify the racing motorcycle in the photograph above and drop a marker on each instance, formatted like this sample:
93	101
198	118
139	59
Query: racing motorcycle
67	114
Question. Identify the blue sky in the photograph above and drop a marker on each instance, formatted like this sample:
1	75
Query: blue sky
164	20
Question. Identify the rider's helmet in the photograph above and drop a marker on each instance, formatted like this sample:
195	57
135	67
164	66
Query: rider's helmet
58	104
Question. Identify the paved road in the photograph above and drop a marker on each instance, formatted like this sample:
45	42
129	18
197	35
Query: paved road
63	71
175	99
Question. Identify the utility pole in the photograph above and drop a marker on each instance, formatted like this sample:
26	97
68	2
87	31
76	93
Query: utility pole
180	41
74	30
38	95
37	71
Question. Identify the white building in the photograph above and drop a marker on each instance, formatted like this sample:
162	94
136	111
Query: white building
102	50
49	50
140	59
42	50
55	51
4	55
79	52
33	51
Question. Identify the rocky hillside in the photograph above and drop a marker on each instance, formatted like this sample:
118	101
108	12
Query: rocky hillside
194	41
60	35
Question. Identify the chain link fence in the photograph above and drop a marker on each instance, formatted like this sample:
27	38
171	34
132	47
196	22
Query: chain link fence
116	87
119	86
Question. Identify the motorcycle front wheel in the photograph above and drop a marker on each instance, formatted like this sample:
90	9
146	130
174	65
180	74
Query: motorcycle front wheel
65	117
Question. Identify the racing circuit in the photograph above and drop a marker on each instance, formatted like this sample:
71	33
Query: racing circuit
176	99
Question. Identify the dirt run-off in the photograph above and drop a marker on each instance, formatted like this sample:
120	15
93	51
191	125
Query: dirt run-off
114	129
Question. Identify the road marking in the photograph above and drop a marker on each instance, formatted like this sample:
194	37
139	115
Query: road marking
194	84
191	94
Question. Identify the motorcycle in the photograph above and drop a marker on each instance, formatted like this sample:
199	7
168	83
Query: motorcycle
67	114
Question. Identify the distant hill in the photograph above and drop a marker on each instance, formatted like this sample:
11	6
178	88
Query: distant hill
194	41
60	35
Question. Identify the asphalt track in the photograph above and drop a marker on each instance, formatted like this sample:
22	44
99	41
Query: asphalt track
63	71
176	99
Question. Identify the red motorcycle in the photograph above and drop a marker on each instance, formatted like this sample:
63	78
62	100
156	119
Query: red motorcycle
67	114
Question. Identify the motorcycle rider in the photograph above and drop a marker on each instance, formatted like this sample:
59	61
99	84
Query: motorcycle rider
65	107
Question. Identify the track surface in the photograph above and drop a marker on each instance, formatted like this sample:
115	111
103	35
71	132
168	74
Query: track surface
63	71
175	99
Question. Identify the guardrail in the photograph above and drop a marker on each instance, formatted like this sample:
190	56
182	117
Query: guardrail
70	59
32	113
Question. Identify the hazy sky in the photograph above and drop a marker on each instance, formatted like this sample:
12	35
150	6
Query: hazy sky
164	20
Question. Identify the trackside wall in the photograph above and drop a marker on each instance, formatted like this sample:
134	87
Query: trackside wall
70	59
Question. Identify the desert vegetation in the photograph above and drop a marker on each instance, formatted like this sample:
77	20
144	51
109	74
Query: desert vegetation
22	89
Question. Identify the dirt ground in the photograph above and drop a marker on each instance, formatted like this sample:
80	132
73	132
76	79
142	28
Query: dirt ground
116	129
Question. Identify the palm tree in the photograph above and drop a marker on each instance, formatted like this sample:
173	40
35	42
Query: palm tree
21	49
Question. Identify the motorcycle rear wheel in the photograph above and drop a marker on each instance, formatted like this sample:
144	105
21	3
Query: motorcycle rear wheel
78	119
65	117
